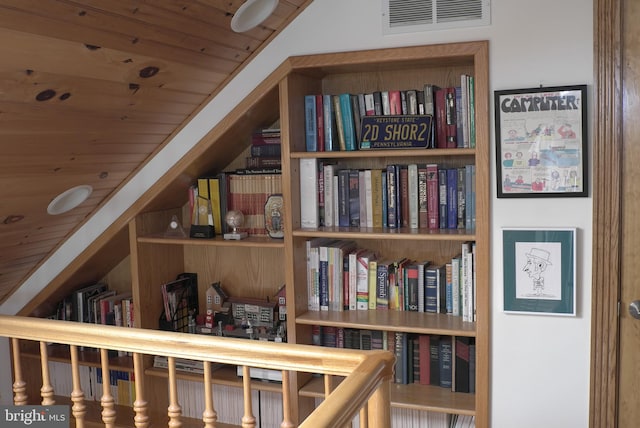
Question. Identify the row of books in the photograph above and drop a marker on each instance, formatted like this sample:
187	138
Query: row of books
342	276
238	190
266	149
426	359
98	305
335	122
401	195
92	379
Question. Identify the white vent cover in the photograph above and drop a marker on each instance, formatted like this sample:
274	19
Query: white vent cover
401	16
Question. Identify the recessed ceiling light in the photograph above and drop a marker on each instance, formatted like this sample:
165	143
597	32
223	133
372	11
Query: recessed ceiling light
251	14
69	199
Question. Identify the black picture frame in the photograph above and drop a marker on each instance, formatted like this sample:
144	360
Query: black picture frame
541	142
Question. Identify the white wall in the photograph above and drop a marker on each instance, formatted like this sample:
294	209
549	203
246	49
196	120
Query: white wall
540	365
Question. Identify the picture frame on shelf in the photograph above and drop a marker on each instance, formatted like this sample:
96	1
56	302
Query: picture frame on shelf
541	142
539	270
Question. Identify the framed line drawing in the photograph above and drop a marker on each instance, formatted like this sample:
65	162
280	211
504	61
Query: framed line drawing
539	270
541	142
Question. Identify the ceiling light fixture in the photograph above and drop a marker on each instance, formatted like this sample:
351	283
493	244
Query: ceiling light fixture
251	14
69	199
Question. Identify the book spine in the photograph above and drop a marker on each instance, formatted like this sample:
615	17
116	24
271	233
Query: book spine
429	109
372	277
452	198
446	362
311	130
412	182
425	363
440	118
431	291
350	140
309	213
376	197
462	364
343	198
339	122
433	200
382	287
362	281
395	105
323	277
368	196
329	122
328	173
269	151
354	198
404	196
412	288
462	197
442	198
450	115
319	111
392	196
423	212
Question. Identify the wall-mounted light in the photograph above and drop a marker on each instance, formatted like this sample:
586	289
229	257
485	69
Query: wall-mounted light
251	14
69	199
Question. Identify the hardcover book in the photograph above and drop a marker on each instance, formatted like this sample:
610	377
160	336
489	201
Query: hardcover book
433	196
311	124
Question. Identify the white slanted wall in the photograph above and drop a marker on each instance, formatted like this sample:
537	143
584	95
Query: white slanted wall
540	365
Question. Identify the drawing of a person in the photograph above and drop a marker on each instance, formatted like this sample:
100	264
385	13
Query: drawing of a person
565	131
508	160
518	162
533	160
537	262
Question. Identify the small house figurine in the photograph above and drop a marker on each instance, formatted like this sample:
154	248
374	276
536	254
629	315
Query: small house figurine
281	298
216	297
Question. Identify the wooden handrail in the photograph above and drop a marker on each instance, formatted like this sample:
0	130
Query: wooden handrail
367	373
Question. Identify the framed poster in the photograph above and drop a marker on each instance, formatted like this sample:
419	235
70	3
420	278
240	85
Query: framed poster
540	271
541	137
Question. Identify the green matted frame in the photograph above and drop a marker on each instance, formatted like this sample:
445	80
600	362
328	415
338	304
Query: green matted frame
539	270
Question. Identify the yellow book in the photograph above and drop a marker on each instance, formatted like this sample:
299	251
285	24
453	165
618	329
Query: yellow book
216	210
373	282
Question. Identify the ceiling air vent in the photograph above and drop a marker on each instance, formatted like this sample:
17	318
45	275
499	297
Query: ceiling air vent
401	16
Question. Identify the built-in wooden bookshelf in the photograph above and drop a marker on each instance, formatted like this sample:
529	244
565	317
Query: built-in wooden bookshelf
380	70
258	267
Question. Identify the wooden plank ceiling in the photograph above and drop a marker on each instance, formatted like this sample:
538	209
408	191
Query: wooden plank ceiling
89	90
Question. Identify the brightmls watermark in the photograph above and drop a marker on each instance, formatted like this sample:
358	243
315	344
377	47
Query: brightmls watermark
34	416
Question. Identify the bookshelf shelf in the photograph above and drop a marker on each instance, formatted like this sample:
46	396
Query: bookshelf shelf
391	153
252	241
222	376
91	358
390	320
403	234
416	397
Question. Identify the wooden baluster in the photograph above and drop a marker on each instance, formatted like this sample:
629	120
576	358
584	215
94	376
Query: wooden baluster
107	400
19	385
47	389
140	405
328	387
287	422
248	420
77	395
209	416
379	413
364	417
174	410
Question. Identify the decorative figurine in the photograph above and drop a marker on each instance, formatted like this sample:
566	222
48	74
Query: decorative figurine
235	220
